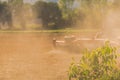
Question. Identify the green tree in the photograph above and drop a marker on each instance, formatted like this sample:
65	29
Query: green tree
67	8
66	5
93	3
17	7
5	15
49	13
15	4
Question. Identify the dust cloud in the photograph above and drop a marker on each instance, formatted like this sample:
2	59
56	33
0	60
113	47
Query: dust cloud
24	18
32	55
105	20
112	24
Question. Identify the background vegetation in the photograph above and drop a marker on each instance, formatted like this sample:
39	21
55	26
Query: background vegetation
52	15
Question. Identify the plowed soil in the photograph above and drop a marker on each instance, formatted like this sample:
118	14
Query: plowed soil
31	56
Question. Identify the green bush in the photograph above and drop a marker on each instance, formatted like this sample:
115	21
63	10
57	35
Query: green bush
99	64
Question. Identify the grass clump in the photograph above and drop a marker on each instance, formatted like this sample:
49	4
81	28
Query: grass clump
99	64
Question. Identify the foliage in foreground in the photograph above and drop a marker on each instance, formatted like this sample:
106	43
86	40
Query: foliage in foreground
100	64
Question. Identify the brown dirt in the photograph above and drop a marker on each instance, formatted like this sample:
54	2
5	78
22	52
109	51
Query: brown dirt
30	56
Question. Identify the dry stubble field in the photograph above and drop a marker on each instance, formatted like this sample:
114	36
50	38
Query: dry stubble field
31	56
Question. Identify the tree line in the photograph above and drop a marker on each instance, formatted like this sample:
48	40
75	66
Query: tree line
63	14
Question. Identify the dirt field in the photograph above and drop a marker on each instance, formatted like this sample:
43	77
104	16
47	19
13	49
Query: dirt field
31	56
